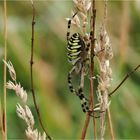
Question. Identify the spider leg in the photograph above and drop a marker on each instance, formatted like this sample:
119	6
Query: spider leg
88	46
68	32
84	102
80	94
94	115
95	111
70	80
69	25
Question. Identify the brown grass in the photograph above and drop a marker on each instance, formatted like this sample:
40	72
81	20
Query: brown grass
5	58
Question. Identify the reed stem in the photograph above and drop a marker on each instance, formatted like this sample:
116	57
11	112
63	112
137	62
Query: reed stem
31	71
5	58
110	124
91	97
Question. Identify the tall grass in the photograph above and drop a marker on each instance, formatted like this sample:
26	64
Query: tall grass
78	125
4	134
91	97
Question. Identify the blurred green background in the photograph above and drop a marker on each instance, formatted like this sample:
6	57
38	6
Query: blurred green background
61	111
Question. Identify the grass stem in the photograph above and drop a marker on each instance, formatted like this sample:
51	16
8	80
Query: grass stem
31	71
110	124
91	97
5	58
124	79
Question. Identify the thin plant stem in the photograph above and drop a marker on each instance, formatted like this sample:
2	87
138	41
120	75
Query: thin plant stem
92	64
5	58
110	124
86	121
124	79
1	118
31	71
91	97
84	130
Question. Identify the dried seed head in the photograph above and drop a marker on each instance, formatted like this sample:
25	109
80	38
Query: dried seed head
82	5
83	16
31	134
103	84
18	89
21	92
97	48
11	70
109	73
74	21
104	60
20	111
99	96
25	114
29	117
10	85
108	47
108	52
88	5
34	134
42	137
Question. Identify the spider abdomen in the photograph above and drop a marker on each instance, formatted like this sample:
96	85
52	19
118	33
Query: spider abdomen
75	48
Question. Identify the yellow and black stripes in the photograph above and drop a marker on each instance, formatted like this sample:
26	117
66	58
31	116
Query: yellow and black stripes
84	103
77	52
69	25
79	93
72	90
68	32
75	48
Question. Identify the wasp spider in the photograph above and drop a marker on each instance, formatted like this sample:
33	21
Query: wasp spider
78	52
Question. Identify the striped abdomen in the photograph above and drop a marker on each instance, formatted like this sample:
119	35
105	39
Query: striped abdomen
75	47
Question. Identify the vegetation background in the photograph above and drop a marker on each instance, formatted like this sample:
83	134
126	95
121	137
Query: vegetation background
61	111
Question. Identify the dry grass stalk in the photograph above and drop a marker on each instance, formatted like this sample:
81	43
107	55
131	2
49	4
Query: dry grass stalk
4	129
105	73
82	7
104	80
124	79
93	27
31	71
22	110
91	97
0	117
110	124
85	127
104	53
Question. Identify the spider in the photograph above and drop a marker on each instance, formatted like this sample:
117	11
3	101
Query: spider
78	56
